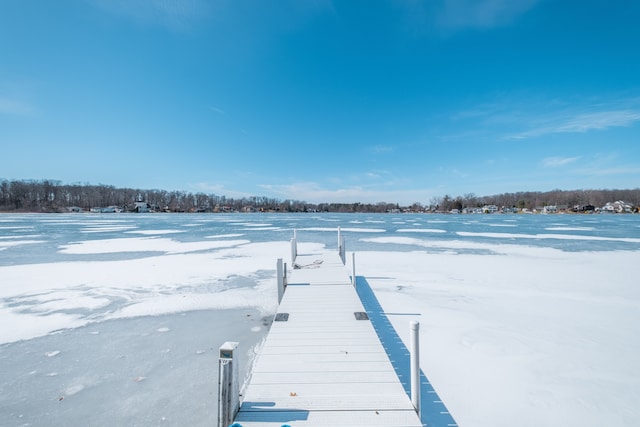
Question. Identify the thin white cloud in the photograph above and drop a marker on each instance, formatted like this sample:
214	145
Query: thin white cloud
608	164
14	107
580	123
217	110
219	190
554	162
381	149
173	14
600	120
312	192
622	170
458	14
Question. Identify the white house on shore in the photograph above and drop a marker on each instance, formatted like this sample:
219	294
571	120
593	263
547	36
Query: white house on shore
617	207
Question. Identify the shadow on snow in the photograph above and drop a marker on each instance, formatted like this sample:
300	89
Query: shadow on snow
433	412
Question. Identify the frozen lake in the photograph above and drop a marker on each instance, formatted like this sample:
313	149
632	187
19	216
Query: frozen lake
528	320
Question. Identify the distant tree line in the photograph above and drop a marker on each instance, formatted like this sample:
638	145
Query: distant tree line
53	196
536	199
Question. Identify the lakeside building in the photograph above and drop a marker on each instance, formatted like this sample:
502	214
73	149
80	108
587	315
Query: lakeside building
618	207
141	207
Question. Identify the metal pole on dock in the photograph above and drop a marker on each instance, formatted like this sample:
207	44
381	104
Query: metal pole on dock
228	385
294	251
341	248
353	268
280	279
414	328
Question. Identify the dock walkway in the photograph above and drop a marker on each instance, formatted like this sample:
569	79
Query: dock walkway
322	363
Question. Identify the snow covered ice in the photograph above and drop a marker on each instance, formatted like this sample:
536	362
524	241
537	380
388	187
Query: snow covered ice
116	319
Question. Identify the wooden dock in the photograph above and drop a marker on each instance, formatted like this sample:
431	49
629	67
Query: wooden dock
322	363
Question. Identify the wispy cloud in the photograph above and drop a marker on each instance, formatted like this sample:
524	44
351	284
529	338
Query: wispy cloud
14	107
600	120
554	162
173	14
622	170
459	14
581	122
313	192
218	189
217	110
381	149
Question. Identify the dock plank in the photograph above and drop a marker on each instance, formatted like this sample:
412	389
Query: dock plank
328	418
323	366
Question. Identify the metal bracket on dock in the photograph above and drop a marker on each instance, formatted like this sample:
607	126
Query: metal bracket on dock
281	317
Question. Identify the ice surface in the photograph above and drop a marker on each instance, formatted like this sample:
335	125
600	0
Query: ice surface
528	328
144	244
420	230
72	294
345	229
146	371
547	236
538	337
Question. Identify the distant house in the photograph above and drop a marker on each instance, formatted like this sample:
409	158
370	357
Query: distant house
141	207
108	209
489	209
550	209
617	207
467	210
111	209
585	208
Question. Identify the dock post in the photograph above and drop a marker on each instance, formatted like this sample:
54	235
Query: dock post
228	386
294	250
341	247
414	327
353	268
280	279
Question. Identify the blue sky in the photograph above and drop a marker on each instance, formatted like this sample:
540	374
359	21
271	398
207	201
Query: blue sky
318	100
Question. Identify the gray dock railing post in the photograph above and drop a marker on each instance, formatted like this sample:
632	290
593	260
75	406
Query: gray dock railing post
228	385
294	249
414	327
280	279
341	247
353	268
